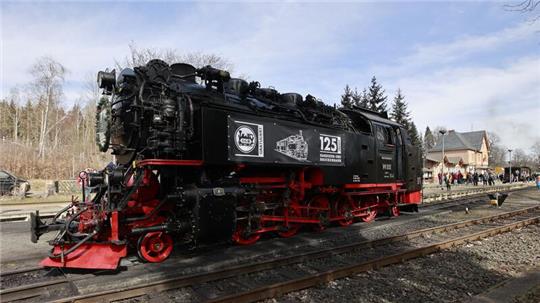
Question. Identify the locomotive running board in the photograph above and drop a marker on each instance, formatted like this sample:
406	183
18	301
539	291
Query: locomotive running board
89	256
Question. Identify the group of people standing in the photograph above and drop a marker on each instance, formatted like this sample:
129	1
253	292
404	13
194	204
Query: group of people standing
487	178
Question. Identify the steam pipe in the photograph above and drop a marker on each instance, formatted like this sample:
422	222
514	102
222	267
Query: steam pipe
181	227
142	230
62	254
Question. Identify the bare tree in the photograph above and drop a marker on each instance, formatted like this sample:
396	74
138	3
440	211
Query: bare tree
519	157
497	151
526	7
535	149
140	56
436	132
48	80
15	101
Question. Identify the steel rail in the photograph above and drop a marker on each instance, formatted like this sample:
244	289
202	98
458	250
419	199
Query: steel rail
19	271
32	290
324	277
184	281
29	291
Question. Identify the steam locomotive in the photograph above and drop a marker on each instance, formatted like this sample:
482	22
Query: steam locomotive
201	156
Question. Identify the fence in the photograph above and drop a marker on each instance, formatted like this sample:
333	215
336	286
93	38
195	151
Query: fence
66	187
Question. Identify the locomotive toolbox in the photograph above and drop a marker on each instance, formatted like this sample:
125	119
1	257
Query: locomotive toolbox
201	156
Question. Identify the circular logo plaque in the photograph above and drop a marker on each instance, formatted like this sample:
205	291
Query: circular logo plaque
245	139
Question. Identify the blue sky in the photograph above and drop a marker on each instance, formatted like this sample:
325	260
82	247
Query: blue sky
463	65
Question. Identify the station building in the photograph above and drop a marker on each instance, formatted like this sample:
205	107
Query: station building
467	152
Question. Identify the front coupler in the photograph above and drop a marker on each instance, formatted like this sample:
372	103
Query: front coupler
84	238
38	227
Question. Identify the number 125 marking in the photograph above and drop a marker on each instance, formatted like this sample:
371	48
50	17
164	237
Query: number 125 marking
330	144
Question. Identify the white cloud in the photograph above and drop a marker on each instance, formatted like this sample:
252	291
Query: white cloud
294	47
76	41
505	100
502	97
469	44
466	50
278	44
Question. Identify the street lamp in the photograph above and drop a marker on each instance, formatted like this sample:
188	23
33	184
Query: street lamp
442	132
510	175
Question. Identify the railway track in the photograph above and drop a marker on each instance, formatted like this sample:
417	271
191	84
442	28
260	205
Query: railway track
280	288
8	279
44	282
42	279
269	278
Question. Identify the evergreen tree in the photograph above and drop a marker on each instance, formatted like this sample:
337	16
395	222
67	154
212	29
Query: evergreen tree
413	133
376	97
429	139
356	97
364	99
399	112
346	98
401	115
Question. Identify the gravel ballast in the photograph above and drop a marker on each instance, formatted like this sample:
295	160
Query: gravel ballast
455	275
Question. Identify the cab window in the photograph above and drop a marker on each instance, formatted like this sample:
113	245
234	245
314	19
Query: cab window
360	123
398	136
384	135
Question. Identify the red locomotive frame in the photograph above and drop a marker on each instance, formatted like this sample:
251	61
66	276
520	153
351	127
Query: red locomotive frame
340	205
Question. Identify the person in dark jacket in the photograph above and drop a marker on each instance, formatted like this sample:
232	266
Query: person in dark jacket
448	181
475	179
491	182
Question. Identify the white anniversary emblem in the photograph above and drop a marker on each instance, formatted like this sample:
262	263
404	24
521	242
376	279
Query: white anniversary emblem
245	139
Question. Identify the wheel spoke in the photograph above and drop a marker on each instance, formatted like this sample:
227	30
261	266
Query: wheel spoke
241	237
293	228
395	211
371	211
318	208
345	207
155	246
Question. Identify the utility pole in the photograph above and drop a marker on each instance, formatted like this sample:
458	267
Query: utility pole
510	175
442	132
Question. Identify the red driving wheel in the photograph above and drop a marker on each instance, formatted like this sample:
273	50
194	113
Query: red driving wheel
242	237
293	227
395	211
155	247
345	207
318	208
371	212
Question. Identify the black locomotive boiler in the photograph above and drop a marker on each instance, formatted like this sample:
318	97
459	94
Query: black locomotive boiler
205	157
